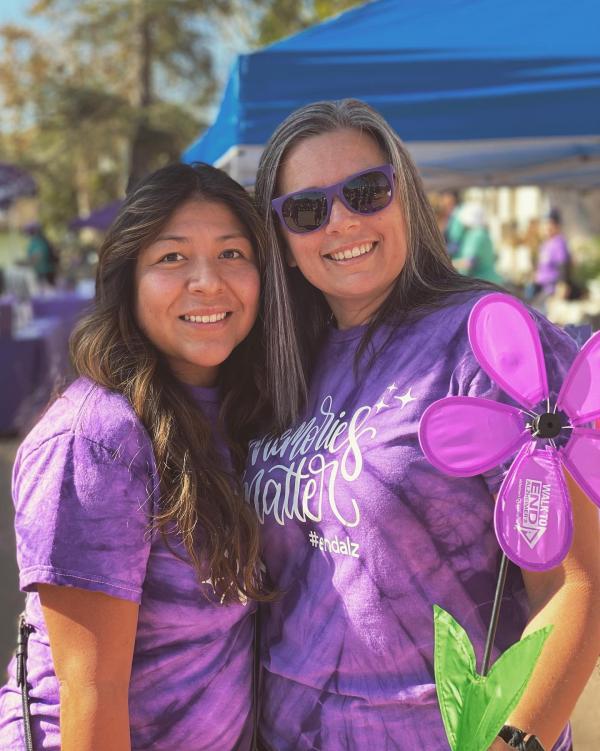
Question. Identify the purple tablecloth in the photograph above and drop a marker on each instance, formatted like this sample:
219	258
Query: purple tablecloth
6	314
31	362
67	306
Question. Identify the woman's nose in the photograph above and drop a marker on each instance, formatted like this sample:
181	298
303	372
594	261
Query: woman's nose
341	218
205	277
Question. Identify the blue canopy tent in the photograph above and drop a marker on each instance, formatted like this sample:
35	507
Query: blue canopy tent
483	92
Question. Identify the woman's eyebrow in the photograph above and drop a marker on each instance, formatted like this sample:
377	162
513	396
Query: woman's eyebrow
174	238
234	236
220	238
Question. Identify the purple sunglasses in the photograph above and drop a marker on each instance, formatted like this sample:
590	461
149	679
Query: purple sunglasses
365	192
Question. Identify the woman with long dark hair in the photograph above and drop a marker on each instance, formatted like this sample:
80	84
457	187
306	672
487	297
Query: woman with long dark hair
138	553
361	535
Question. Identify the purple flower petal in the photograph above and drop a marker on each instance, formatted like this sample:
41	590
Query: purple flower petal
466	435
507	345
582	458
580	393
533	517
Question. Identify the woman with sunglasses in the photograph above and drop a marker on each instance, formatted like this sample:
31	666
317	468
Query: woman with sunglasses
361	535
136	549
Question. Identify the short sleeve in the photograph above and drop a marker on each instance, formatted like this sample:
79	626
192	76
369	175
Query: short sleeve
82	518
559	352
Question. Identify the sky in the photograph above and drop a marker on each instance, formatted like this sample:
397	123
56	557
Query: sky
14	11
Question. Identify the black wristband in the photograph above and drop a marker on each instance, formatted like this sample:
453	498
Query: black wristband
516	739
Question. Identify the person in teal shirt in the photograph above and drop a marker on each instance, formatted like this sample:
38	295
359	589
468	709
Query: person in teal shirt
454	229
476	256
40	254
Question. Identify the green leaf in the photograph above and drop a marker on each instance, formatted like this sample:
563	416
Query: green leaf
454	664
495	696
474	707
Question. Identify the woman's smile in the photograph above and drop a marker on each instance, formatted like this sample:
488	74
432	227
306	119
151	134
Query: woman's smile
205	318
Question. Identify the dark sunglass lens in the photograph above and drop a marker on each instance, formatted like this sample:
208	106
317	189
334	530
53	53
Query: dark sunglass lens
368	193
305	212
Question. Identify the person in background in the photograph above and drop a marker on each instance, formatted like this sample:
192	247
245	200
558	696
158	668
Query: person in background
514	259
554	259
476	257
361	535
532	239
41	254
136	549
453	229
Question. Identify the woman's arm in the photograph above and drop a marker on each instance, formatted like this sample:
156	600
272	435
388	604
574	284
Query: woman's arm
568	597
91	637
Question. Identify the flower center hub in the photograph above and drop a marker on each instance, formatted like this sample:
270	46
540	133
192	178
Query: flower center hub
547	425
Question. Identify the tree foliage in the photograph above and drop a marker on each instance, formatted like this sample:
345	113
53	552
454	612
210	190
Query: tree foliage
120	90
96	94
285	17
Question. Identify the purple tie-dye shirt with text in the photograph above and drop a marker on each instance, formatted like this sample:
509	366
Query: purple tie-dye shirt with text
362	536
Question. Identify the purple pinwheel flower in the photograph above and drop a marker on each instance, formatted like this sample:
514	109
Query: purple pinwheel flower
465	436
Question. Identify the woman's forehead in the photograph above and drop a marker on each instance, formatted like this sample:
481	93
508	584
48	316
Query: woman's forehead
327	158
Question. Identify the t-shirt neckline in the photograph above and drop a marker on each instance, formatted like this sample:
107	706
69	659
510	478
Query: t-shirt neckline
204	393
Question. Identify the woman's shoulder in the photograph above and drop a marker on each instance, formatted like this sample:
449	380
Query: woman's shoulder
457	307
449	317
448	324
86	412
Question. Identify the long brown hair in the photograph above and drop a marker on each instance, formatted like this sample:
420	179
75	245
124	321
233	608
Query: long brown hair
426	281
200	499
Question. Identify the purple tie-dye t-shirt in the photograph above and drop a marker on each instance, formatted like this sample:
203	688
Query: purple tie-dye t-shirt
84	484
554	255
362	536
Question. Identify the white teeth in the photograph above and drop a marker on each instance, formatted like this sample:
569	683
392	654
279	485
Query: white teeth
358	250
214	318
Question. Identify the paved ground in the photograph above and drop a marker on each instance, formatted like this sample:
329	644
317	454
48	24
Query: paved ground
586	720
